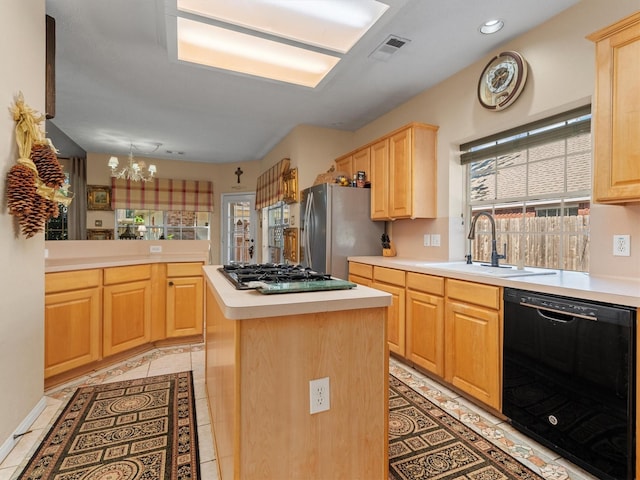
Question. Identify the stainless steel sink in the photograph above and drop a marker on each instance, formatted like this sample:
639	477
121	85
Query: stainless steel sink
485	269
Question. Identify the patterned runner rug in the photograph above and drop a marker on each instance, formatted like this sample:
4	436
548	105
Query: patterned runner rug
427	443
133	430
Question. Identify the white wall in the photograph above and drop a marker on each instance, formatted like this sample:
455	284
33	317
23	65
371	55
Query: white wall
22	54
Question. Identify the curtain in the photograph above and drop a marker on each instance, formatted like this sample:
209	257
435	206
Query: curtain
77	210
270	188
163	194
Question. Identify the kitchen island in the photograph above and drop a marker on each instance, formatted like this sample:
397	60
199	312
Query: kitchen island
261	353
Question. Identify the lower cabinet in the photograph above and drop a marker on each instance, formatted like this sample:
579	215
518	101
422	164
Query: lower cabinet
425	322
126	308
393	281
360	273
472	340
72	320
93	314
185	287
448	327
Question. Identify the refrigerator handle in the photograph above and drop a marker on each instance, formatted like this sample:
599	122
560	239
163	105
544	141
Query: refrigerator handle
307	228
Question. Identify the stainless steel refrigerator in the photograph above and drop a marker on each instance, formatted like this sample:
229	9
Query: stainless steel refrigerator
336	224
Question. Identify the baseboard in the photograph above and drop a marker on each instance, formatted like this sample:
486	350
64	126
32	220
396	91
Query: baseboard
11	442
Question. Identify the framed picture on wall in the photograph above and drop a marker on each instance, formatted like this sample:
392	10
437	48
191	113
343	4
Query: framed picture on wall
98	197
99	234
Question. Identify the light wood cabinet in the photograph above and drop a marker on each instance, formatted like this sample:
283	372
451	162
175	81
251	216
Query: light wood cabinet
352	163
448	327
185	290
393	281
93	314
425	322
362	162
126	308
473	339
403	174
360	273
72	320
344	165
616	114
380	180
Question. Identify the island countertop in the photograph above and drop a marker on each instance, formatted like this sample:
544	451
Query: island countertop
246	304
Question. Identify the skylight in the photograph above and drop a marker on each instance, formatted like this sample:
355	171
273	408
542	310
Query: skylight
292	41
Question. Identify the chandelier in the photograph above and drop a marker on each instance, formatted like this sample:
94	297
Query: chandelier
134	170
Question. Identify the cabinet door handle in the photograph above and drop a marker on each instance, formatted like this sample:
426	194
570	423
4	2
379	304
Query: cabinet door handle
171	284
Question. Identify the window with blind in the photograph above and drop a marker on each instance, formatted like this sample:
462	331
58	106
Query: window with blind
162	209
536	182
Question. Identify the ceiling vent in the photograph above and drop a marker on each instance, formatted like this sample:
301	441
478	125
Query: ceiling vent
387	48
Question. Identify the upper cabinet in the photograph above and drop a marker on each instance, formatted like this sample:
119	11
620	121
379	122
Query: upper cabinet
354	162
617	112
408	182
401	167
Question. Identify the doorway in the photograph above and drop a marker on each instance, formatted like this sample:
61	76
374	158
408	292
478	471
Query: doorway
239	223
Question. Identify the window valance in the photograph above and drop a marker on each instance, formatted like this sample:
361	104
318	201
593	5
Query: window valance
270	188
163	194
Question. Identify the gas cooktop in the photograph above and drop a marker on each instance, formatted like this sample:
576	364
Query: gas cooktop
280	278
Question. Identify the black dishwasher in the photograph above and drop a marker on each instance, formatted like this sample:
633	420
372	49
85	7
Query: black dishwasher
569	378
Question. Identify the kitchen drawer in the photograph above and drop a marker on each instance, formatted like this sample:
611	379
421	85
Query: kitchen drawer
361	270
389	275
130	273
425	283
192	269
75	280
360	280
476	293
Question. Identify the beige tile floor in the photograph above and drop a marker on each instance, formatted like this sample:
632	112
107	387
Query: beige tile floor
191	357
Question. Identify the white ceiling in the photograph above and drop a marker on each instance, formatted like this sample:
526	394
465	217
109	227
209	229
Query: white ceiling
116	83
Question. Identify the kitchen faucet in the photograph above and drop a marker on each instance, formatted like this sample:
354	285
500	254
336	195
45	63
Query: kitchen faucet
495	257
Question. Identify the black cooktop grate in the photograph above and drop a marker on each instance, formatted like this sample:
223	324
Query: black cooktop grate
250	276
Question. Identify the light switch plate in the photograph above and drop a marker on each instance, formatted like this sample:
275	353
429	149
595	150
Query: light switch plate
155	249
435	240
427	240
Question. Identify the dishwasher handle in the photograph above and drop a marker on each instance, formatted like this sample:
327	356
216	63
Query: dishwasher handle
557	315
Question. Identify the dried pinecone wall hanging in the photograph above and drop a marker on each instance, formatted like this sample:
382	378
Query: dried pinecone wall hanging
36	184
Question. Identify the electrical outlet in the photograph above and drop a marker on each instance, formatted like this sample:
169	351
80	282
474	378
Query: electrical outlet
155	249
427	240
621	245
435	240
319	396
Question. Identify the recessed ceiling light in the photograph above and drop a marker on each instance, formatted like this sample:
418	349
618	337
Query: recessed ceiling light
491	26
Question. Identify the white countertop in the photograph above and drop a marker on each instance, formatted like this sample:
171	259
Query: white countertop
67	255
247	304
68	264
621	291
